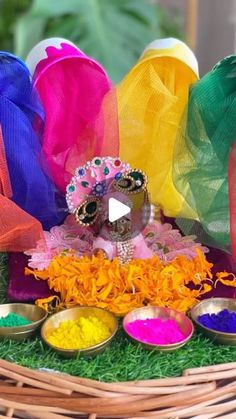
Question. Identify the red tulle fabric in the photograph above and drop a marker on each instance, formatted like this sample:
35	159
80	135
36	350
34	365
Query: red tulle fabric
5	184
18	230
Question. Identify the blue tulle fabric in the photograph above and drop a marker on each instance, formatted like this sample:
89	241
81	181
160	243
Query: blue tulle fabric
22	121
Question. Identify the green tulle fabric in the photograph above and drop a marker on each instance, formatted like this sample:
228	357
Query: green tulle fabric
200	169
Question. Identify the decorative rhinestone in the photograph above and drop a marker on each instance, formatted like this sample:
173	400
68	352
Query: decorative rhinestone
97	162
136	175
99	189
81	171
70	188
138	182
91	207
82	216
84	184
117	162
118	175
106	170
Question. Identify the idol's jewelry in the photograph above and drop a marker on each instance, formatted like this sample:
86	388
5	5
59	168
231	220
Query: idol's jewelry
86	214
125	251
131	182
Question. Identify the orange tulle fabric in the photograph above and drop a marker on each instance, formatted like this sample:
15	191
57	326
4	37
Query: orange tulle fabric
18	230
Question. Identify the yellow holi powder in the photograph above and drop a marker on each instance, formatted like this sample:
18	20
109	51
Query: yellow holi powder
79	334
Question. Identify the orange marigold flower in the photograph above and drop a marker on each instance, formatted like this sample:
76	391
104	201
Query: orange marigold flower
97	281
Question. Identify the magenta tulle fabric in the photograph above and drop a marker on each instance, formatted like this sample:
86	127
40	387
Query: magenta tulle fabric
78	99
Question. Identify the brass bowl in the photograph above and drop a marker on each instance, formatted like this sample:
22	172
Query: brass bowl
214	305
73	314
153	312
30	311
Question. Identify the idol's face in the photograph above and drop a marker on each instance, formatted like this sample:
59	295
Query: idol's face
118	230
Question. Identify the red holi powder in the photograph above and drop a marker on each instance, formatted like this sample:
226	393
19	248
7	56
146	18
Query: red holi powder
155	331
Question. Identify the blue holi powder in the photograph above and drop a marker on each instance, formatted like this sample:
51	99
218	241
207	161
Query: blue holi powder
224	321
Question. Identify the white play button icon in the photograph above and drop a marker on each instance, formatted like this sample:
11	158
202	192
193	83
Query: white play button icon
117	210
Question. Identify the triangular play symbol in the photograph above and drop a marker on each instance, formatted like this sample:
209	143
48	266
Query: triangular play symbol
117	210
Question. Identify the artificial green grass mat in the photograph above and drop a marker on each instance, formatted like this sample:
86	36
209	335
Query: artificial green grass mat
122	361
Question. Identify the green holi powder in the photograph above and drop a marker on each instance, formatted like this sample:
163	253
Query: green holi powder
13	320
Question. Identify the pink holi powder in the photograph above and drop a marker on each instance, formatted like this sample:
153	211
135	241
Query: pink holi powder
155	331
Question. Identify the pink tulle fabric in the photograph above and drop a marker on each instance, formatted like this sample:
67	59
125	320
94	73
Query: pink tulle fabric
80	106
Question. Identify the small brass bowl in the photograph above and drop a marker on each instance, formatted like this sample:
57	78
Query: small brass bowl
31	312
73	314
214	305
153	312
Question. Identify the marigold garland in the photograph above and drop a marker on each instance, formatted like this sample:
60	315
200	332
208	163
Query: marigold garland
97	281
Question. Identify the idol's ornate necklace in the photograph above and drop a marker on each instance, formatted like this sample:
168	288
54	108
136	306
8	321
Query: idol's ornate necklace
125	251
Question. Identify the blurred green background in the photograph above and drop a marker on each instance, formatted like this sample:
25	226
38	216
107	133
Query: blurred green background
112	31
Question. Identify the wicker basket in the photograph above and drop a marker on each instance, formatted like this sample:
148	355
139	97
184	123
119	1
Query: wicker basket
207	392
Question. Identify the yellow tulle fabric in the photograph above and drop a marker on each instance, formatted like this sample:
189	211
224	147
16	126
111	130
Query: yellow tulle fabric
151	101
